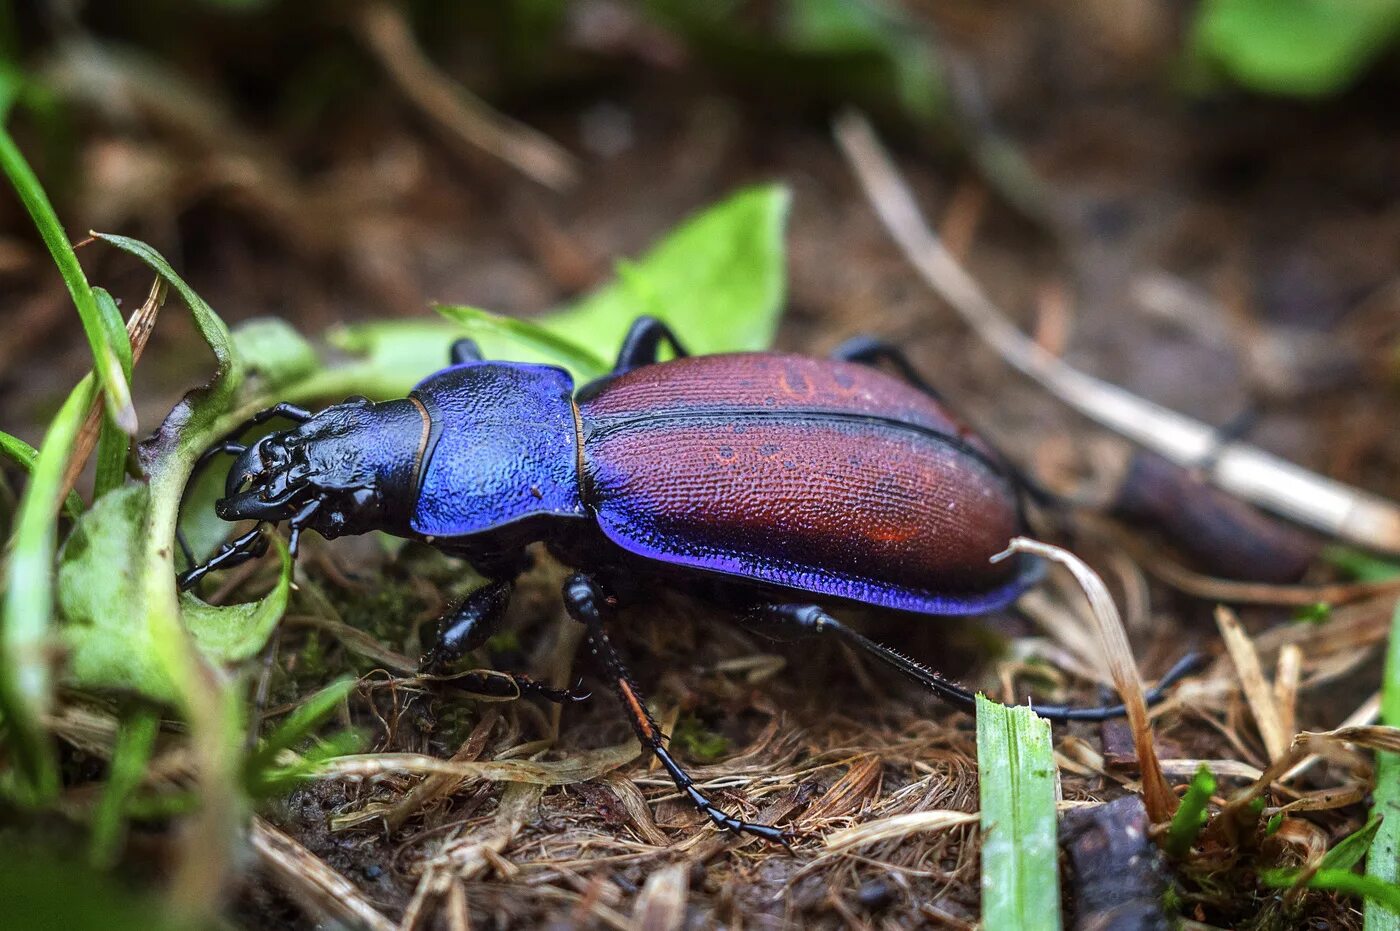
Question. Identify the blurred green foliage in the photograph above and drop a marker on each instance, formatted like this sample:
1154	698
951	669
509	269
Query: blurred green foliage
1303	48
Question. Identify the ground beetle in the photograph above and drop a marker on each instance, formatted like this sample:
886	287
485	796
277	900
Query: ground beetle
771	484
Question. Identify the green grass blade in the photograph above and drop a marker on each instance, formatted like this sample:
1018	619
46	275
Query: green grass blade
1383	862
1192	815
114	384
135	741
26	682
1020	863
112	443
24	455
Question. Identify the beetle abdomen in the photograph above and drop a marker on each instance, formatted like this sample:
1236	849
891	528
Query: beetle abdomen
822	476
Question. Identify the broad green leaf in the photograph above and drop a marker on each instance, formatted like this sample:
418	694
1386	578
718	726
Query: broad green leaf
1020	865
527	335
1306	48
115	387
1383	862
26	683
718	280
274	352
1192	815
1351	849
24	455
231	633
112	644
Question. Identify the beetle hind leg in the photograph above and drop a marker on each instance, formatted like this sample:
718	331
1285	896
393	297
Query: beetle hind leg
796	621
584	601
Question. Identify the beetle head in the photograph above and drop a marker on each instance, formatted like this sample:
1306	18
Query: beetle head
349	469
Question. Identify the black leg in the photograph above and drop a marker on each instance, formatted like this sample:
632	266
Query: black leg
464	350
469	625
642	344
868	350
795	621
515	685
1236	428
234	553
584	601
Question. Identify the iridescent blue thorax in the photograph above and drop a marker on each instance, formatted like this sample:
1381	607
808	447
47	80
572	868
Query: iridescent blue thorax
502	447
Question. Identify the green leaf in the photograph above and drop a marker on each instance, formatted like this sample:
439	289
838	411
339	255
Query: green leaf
26	686
115	387
1020	866
1361	566
1351	849
1192	815
1306	48
24	455
261	765
112	443
215	333
527	335
1383	863
718	280
232	633
112	642
274	352
1378	893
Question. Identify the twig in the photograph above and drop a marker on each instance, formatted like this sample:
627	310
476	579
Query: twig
455	109
312	881
1268	481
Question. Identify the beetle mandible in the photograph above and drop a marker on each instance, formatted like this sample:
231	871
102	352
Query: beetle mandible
775	485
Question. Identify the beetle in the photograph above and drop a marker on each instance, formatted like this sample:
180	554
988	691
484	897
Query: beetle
777	486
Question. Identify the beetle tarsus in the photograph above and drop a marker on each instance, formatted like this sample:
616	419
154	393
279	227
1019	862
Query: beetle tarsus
583	598
250	545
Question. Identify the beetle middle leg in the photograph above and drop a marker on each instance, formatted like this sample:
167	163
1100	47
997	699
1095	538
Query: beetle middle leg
868	350
796	621
585	601
642	345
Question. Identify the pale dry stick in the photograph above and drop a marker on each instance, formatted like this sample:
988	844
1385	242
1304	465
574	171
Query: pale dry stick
1157	795
458	918
1257	690
1286	679
138	331
1245	471
660	906
450	105
311	881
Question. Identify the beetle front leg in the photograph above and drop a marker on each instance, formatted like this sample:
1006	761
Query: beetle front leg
795	621
234	553
584	601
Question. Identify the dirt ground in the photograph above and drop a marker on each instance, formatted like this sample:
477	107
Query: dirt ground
1217	255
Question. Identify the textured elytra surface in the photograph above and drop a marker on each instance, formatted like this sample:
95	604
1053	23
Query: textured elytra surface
822	476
